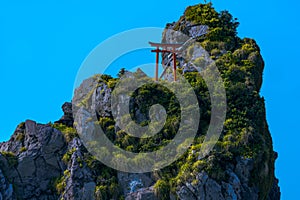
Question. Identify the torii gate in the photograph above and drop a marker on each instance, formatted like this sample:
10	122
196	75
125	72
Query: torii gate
165	48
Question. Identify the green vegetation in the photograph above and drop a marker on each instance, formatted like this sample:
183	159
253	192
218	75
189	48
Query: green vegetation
67	156
20	137
20	132
106	180
106	191
245	131
23	149
162	190
11	158
60	185
68	132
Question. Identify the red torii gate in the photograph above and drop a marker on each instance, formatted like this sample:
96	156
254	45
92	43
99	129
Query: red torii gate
165	48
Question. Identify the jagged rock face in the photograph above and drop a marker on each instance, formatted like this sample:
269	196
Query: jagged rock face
34	160
140	186
39	149
80	183
6	189
190	51
131	183
44	162
275	191
67	118
207	188
142	194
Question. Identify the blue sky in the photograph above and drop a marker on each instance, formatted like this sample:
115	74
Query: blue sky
43	43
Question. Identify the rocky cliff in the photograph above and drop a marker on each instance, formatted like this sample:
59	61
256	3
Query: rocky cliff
49	161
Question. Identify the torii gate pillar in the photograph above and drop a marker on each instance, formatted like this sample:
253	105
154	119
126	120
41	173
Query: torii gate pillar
157	50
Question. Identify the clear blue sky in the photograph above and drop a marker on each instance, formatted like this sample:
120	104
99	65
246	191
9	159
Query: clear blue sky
43	43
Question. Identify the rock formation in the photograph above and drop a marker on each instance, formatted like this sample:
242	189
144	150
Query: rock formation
49	161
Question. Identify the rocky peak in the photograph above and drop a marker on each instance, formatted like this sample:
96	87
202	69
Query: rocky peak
50	161
67	118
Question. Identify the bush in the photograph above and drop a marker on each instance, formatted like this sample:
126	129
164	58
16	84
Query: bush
162	190
67	156
60	185
68	132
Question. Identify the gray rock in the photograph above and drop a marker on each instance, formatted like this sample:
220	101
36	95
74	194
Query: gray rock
230	193
275	191
142	194
38	160
206	188
103	98
243	169
213	190
67	118
130	183
6	189
79	179
192	57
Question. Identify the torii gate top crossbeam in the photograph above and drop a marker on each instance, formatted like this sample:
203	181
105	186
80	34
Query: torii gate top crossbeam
166	46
